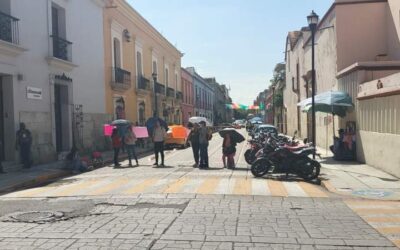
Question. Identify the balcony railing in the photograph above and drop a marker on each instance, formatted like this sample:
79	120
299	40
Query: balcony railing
171	92
143	83
120	79
9	28
179	95
160	89
62	48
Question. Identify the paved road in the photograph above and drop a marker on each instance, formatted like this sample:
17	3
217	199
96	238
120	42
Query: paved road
178	177
179	207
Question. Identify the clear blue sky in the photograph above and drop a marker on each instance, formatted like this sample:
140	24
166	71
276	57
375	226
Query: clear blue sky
237	41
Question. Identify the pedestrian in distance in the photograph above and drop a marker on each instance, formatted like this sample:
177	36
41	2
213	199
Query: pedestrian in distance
204	137
158	137
23	144
228	152
130	142
194	142
117	144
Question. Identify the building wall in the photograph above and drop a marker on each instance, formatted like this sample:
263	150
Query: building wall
203	101
351	34
188	98
379	126
32	65
153	46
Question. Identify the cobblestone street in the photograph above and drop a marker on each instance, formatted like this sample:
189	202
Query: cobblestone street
204	222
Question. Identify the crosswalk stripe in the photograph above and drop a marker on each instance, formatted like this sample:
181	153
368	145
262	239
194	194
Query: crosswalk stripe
311	190
30	192
260	187
242	186
365	211
141	186
293	189
382	219
277	188
109	187
208	186
225	186
73	188
176	186
389	230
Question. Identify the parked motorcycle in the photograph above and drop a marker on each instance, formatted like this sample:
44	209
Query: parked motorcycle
274	158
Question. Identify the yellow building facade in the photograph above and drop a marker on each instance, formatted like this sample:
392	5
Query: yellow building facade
134	51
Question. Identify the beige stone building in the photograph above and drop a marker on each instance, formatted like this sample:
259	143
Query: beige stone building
134	50
357	42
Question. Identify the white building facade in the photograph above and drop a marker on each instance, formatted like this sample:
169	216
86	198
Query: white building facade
51	75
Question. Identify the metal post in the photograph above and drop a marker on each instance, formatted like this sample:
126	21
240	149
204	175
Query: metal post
313	29
273	105
155	97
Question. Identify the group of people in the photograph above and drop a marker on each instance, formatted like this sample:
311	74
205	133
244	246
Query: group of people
199	138
129	139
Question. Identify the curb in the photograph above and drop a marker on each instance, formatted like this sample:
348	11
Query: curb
59	173
36	181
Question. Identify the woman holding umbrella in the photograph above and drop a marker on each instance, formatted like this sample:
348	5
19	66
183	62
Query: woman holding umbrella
228	151
231	138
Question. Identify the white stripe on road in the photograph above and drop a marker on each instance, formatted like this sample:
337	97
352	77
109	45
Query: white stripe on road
293	189
260	187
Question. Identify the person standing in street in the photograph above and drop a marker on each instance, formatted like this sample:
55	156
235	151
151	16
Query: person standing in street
204	137
194	142
228	152
116	143
130	142
23	144
159	134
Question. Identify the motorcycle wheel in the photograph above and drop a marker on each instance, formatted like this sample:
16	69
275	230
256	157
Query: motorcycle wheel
311	170
248	156
260	168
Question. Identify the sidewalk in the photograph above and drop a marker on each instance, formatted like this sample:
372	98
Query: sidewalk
356	179
43	173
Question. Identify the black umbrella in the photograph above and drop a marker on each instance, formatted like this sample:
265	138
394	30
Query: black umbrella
235	136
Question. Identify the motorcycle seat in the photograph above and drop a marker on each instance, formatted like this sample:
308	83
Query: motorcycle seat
295	148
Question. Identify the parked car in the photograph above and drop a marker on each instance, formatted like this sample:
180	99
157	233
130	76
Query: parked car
177	136
264	128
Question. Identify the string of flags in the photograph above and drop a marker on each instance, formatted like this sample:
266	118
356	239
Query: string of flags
244	107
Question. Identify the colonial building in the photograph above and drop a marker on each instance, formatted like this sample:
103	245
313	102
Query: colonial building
203	96
51	76
220	99
349	55
188	96
134	52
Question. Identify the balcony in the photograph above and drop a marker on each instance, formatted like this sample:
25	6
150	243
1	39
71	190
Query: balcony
120	79
170	92
9	35
61	48
62	54
143	83
9	28
179	95
160	89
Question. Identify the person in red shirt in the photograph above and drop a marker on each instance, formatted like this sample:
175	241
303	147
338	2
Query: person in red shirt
116	143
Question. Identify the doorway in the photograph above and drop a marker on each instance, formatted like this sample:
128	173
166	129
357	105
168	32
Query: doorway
2	141
61	113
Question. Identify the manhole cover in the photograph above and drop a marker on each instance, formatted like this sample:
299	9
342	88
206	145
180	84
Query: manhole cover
35	217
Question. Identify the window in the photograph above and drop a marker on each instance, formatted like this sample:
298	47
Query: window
117	53
166	76
154	67
139	67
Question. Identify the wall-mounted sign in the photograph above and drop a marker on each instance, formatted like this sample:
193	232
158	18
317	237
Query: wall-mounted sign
33	93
